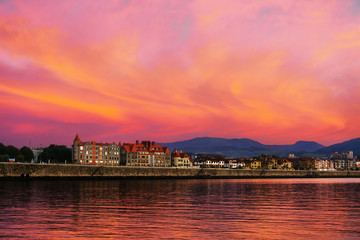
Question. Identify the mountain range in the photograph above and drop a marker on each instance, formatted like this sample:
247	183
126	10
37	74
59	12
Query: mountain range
245	147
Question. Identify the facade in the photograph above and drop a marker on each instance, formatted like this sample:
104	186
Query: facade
340	156
272	163
255	164
345	164
233	163
209	161
180	159
324	164
95	153
145	154
286	164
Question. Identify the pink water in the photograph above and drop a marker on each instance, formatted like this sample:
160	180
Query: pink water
181	209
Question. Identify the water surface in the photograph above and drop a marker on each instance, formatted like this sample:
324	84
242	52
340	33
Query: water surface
181	209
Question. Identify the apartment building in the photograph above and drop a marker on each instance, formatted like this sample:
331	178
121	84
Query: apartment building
95	153
145	154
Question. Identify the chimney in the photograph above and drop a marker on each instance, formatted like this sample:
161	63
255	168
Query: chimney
137	142
153	143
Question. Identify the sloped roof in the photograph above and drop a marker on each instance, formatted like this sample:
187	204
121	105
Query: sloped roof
131	147
77	139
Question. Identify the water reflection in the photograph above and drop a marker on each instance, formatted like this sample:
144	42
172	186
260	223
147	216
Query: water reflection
181	209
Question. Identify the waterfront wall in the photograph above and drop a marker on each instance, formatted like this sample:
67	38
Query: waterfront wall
32	171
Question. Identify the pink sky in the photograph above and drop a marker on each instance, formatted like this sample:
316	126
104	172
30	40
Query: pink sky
274	71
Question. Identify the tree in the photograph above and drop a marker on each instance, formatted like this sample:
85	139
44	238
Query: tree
4	158
19	158
56	154
2	149
44	156
12	151
27	153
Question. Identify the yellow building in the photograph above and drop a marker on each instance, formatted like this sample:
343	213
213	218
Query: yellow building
180	159
286	164
255	164
272	163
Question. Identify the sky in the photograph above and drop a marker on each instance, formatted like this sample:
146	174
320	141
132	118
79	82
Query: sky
276	71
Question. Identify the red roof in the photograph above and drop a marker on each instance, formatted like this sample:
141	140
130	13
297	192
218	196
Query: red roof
175	153
77	139
133	147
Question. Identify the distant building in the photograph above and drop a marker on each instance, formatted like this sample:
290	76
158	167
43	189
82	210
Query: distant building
255	164
271	163
342	156
303	163
95	153
324	164
180	159
145	154
286	164
233	163
209	161
291	155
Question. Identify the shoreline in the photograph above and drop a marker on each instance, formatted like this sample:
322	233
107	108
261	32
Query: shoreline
30	171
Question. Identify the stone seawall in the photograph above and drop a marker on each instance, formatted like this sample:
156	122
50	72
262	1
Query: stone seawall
34	171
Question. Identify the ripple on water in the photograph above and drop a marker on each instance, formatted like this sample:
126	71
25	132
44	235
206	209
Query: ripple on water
181	209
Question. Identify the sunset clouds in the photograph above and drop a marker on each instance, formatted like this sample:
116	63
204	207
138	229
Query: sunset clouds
274	71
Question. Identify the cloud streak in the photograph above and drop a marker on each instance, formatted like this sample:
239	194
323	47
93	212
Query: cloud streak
276	71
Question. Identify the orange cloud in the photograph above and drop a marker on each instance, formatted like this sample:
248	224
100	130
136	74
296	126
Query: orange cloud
278	71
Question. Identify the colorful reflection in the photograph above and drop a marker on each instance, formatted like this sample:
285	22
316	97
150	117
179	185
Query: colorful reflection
181	209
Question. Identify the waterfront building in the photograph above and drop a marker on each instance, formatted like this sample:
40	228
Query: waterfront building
145	154
233	163
256	164
303	163
286	164
357	164
215	163
351	164
95	153
271	163
341	164
209	161
324	164
180	159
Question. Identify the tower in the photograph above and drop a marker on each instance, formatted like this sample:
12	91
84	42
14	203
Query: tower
76	149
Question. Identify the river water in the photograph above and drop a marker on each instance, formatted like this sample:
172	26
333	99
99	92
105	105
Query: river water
181	209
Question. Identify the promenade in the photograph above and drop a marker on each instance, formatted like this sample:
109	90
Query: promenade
62	171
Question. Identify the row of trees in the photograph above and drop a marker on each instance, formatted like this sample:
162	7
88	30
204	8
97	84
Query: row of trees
56	154
23	154
53	153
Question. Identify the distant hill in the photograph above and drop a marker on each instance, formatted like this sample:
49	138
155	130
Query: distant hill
351	145
242	147
299	146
